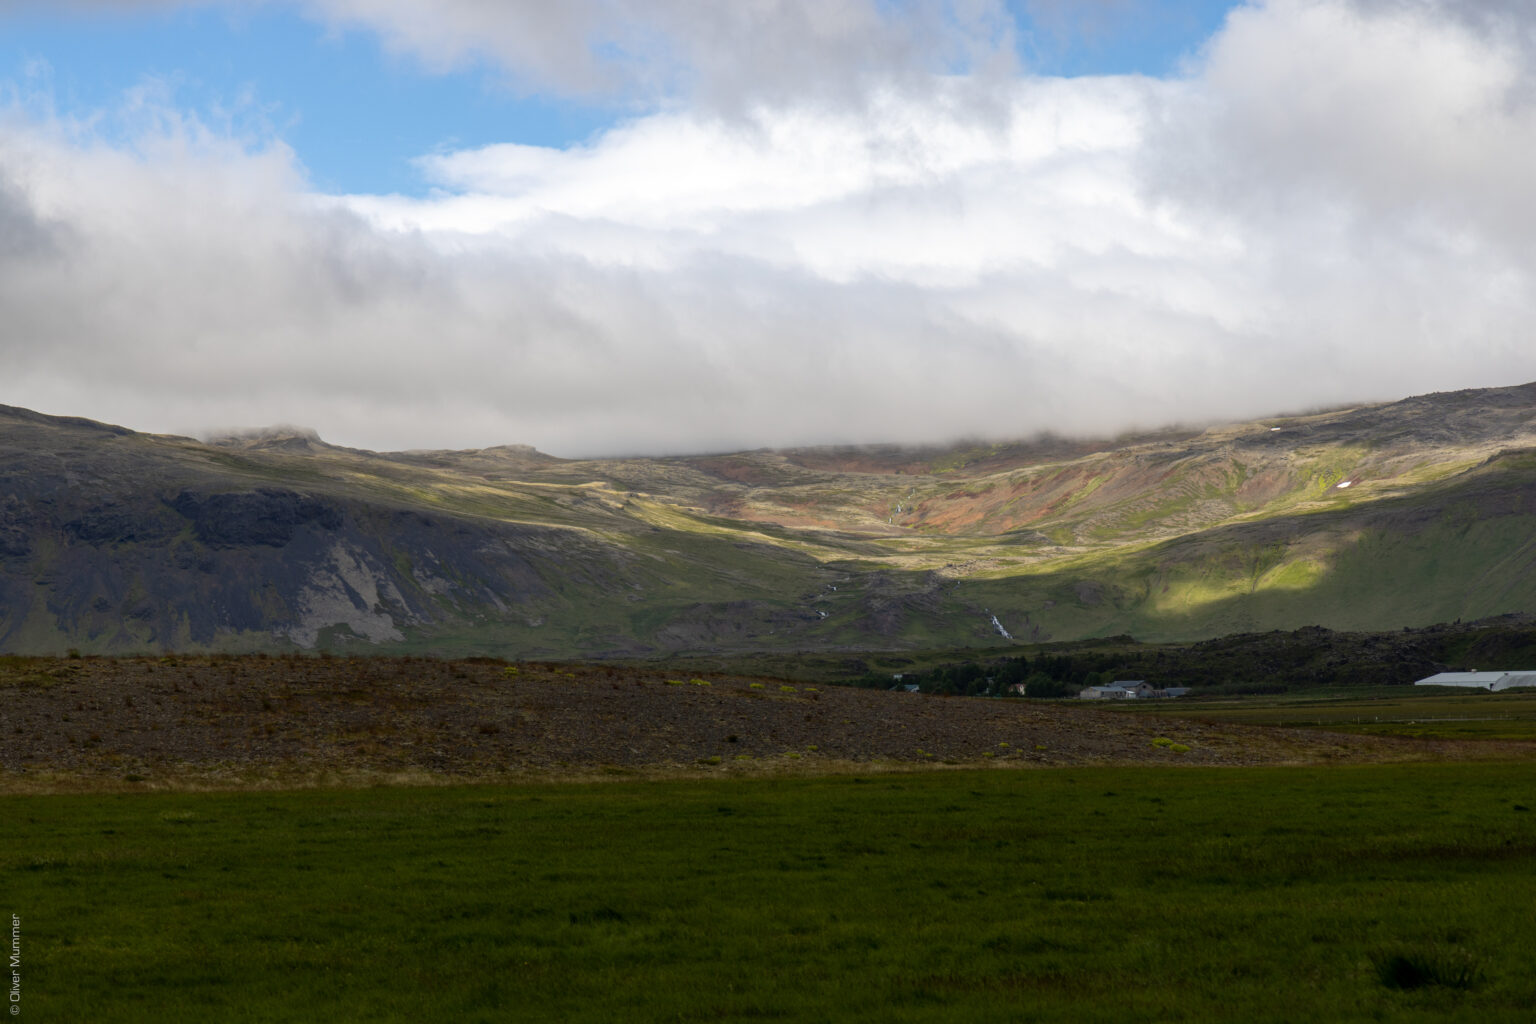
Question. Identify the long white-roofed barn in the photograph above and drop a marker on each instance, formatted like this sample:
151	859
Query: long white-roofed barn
1494	681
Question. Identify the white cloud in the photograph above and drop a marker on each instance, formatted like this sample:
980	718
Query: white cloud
911	192
1332	206
1375	158
1311	106
729	56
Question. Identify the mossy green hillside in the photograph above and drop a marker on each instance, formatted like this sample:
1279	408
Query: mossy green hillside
278	542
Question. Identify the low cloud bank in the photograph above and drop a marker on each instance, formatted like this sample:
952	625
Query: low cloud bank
1333	205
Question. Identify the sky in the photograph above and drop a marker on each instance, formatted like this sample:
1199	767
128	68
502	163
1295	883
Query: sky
609	227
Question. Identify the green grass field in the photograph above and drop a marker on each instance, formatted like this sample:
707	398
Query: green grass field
1376	711
1343	893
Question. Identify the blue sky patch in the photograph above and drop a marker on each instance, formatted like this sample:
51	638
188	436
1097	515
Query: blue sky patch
357	116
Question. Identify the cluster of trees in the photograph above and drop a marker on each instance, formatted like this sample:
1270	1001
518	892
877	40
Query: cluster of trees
1272	662
1046	676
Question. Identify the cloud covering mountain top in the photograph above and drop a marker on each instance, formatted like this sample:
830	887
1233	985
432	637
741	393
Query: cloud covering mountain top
844	222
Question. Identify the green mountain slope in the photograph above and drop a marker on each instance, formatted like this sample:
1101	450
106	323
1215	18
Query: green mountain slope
1371	518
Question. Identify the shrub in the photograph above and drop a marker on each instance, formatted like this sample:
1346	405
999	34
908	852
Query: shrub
1179	748
1412	969
674	682
1162	741
700	682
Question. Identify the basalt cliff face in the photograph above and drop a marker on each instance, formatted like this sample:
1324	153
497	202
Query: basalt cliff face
1369	518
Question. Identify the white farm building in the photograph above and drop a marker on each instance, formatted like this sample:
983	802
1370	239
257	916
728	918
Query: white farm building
1129	689
1119	690
1481	680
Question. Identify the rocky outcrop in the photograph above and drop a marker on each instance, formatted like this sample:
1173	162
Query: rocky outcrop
114	541
266	517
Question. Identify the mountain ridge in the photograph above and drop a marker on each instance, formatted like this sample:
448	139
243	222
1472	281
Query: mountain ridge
1367	517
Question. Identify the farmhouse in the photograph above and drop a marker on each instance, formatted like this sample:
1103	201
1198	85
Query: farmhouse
1482	680
1129	689
1120	689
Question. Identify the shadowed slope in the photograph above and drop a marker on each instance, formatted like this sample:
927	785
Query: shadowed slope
1376	517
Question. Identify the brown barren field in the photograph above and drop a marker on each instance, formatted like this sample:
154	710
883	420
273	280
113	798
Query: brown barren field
234	722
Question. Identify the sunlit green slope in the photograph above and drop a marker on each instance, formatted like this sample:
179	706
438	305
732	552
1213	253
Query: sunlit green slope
1370	518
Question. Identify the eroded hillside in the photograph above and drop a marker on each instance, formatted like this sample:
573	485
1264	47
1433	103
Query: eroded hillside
1377	517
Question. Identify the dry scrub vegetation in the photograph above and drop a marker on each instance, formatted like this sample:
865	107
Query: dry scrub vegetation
233	721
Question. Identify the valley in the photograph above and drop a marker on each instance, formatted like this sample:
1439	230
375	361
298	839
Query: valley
1370	518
